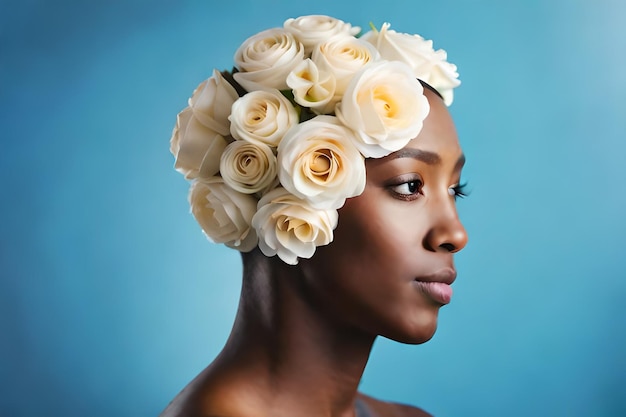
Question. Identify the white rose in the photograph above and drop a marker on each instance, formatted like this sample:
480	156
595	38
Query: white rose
288	227
211	103
224	214
265	59
427	64
262	117
311	87
248	167
197	148
318	162
444	78
386	107
344	57
313	29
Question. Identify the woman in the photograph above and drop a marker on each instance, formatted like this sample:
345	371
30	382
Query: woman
335	172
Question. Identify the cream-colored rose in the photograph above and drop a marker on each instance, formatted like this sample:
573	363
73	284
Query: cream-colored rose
211	103
427	64
288	227
248	167
262	117
311	87
197	148
265	59
313	29
386	107
444	78
319	162
344	57
224	214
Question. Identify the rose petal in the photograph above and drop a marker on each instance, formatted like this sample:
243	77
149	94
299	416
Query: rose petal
211	103
248	167
385	106
427	64
319	162
262	117
196	147
224	214
265	59
288	227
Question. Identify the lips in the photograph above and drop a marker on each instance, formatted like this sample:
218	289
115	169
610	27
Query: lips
437	286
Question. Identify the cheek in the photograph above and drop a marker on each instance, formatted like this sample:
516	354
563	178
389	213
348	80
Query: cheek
387	224
378	236
365	276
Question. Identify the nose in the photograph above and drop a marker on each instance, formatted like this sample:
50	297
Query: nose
447	232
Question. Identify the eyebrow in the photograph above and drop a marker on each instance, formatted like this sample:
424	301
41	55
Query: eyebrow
460	162
427	157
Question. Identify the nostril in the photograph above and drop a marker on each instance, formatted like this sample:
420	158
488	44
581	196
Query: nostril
448	246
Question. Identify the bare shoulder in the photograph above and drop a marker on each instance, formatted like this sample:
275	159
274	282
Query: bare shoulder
384	408
185	404
202	397
198	405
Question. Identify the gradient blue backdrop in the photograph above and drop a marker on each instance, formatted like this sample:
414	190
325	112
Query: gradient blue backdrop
111	300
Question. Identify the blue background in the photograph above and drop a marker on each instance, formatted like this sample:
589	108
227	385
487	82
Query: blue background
111	299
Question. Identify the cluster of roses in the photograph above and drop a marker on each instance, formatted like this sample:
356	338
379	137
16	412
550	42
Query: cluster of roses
271	166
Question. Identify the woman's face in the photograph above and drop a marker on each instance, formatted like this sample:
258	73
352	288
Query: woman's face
388	270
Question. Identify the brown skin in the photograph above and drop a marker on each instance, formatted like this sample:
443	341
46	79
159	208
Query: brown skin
303	333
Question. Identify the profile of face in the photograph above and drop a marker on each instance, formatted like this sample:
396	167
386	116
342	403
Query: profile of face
387	271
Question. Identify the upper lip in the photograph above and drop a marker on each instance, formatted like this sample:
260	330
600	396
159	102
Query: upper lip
446	275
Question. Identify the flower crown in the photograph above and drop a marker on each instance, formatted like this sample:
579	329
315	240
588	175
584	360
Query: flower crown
275	147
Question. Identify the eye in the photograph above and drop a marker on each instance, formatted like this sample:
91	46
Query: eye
407	190
458	190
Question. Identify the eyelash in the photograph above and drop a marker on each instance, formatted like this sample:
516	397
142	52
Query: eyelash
460	190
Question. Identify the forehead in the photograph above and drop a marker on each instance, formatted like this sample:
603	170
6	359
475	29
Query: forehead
439	133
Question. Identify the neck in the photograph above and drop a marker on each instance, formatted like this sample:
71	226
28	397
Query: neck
289	352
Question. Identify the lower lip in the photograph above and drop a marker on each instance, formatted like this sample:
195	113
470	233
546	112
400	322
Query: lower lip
437	291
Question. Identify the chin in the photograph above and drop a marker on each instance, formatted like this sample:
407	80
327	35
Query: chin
416	331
